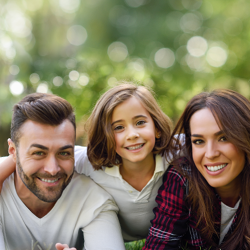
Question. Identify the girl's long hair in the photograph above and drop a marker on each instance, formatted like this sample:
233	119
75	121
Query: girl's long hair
101	142
231	111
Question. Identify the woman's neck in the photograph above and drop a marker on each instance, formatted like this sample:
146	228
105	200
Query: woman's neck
138	174
230	194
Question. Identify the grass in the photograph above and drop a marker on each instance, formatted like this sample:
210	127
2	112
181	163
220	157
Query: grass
135	245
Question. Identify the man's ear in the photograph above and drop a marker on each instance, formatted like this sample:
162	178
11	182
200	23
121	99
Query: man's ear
12	149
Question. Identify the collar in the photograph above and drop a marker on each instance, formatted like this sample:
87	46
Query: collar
114	171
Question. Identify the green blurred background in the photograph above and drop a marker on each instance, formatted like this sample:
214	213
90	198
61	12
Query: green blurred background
78	49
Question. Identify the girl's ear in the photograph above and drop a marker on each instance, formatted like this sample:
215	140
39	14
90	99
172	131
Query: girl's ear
157	133
12	149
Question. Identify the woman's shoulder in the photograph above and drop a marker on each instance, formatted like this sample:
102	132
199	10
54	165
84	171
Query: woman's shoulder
178	171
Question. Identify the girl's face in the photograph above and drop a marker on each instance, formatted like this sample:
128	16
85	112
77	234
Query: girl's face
217	159
134	132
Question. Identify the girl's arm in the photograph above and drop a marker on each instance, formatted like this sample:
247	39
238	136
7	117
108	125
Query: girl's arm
7	167
171	214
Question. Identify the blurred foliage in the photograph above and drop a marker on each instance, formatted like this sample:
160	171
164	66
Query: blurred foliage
135	245
78	49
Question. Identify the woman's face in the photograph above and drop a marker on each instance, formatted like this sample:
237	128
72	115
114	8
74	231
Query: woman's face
217	159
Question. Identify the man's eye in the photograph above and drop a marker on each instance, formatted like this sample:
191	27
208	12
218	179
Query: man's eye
140	122
39	153
197	142
65	153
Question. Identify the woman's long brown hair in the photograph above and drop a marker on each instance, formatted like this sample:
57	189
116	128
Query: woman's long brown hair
231	110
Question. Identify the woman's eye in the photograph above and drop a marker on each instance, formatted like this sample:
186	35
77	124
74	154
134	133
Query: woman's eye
223	138
197	142
140	122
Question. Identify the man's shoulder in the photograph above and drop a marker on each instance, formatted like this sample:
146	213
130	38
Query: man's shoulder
85	185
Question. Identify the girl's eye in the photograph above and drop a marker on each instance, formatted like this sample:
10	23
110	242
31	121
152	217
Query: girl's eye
117	128
140	122
223	138
197	142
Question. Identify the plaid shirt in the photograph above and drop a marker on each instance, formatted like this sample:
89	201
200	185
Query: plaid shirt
174	224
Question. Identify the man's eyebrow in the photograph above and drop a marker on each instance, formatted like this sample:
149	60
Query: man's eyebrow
38	146
66	147
46	148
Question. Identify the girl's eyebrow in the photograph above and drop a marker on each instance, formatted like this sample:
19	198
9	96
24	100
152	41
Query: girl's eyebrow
135	117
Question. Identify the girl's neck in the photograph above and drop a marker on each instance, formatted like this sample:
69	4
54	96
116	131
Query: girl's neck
138	174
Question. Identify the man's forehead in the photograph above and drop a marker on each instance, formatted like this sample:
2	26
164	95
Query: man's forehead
33	132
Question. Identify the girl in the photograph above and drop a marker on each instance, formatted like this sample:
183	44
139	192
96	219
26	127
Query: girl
127	134
204	201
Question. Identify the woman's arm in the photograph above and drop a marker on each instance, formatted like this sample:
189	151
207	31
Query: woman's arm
171	214
7	167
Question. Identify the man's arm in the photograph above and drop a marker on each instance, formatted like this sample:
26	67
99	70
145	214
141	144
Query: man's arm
104	232
7	167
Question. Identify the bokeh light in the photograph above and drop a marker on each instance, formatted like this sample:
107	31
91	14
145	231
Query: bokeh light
190	22
16	88
77	35
117	51
197	46
42	88
57	81
216	56
14	70
74	75
34	78
83	79
69	6
164	58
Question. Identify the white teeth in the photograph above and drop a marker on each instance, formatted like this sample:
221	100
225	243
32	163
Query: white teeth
50	181
135	147
216	168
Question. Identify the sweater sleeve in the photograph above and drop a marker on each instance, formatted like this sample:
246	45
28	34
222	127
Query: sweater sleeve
82	163
171	215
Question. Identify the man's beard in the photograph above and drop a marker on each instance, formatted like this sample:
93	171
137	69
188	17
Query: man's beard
53	193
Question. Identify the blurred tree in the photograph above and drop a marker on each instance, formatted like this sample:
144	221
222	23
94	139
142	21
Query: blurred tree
78	49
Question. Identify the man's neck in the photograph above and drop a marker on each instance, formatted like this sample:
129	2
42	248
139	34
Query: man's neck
38	207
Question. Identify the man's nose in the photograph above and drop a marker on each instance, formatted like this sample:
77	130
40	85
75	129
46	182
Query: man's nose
51	165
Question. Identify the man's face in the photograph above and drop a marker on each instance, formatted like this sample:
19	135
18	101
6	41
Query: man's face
44	159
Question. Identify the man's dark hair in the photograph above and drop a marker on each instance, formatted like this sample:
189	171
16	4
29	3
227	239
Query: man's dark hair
42	108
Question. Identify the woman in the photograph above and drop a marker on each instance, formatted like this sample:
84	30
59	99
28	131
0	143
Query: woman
205	198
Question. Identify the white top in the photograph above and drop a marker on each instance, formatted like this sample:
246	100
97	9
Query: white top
227	216
135	207
82	205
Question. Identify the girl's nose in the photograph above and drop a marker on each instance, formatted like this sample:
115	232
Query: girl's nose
132	134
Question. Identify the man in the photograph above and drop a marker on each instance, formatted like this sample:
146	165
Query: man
44	202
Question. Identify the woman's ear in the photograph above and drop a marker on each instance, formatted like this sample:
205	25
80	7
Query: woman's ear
12	149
